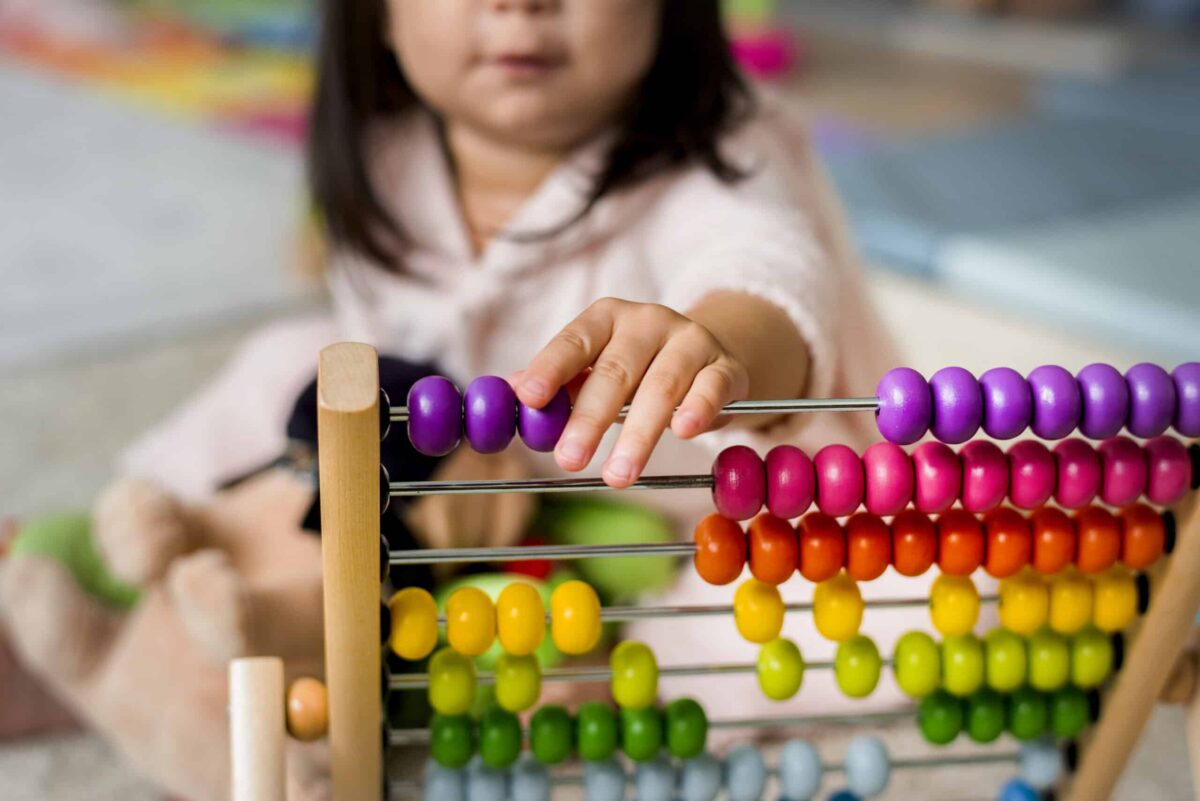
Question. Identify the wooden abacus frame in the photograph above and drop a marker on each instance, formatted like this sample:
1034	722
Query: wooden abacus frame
348	441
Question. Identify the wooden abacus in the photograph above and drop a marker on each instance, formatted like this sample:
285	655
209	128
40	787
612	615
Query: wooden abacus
980	532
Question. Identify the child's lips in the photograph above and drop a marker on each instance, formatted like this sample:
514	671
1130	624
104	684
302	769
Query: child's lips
525	65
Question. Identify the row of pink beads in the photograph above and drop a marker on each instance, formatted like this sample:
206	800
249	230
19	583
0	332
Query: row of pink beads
886	478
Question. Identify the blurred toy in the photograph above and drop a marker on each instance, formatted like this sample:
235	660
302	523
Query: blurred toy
762	47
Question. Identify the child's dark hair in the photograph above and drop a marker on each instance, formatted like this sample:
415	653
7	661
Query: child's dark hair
691	95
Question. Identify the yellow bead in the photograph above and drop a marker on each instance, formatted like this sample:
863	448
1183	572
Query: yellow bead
1070	602
520	618
470	621
1115	600
837	608
758	611
414	623
953	605
575	617
518	682
451	682
1024	603
634	675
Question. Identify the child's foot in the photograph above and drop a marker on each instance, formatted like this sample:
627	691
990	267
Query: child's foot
26	709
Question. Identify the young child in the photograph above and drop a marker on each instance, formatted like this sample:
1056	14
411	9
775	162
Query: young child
566	191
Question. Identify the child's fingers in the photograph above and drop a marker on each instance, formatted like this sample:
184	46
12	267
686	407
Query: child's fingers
717	385
613	378
567	355
665	384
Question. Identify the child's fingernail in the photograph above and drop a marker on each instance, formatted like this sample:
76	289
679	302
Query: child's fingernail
572	451
620	468
535	387
688	421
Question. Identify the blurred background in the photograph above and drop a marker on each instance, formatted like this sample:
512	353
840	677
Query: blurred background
1021	176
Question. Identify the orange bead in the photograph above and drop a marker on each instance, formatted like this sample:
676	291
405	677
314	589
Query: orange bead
960	543
1009	543
868	547
720	549
1099	539
1144	538
774	550
822	547
307	710
1053	540
914	543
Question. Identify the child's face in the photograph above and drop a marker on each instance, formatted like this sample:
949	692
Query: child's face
534	73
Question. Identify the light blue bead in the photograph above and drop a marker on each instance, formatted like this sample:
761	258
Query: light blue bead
1041	764
745	774
444	784
603	781
701	779
867	766
1017	790
485	783
530	781
799	771
655	780
844	795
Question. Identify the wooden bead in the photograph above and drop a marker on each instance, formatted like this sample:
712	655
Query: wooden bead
307	710
739	483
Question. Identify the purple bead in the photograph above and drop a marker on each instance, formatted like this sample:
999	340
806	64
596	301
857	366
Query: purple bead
739	483
1007	402
1105	401
1187	394
791	482
1151	400
905	406
957	405
489	414
1057	404
541	428
434	415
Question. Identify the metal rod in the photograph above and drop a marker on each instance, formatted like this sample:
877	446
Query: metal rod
625	614
412	489
420	736
521	552
797	405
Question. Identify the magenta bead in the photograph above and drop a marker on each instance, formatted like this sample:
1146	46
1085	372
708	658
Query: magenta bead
888	472
541	428
1079	473
905	406
1152	402
984	476
957	405
434	415
1007	402
1032	474
840	480
1187	398
938	477
1057	404
1105	398
1123	468
791	481
739	483
1169	471
489	414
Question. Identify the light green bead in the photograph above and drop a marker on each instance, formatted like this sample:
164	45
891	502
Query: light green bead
917	664
1049	660
518	682
1091	658
451	682
780	669
1007	663
962	665
634	675
857	665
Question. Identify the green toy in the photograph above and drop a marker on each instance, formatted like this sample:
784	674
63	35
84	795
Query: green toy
67	538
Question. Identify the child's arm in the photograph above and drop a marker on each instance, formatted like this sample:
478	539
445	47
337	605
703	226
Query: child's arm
727	347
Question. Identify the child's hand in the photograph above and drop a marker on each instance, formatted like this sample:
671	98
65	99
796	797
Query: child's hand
652	354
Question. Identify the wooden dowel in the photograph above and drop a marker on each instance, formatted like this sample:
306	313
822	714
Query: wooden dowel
1149	661
348	444
257	729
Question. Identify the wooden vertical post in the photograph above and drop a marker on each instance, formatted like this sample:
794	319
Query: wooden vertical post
348	449
256	729
1148	664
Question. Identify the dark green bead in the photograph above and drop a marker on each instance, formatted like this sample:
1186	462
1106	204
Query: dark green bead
641	733
550	735
1028	714
596	731
687	728
499	738
1070	712
451	740
940	717
985	716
